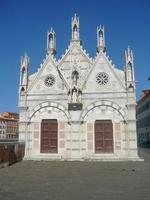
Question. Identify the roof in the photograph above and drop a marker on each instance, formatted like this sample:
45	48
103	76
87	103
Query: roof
9	115
8	119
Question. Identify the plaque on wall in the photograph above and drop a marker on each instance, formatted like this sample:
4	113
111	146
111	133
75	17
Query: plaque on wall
75	106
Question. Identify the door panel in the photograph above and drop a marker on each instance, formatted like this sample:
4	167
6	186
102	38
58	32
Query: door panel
103	136
49	136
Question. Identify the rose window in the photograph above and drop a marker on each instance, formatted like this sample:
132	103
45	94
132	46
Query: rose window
102	78
49	80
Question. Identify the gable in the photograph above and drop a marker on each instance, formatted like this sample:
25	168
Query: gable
47	80
104	76
75	59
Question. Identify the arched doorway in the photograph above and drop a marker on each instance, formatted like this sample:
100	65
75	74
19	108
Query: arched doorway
103	136
49	136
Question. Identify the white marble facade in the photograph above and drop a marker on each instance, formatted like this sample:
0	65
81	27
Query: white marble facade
77	90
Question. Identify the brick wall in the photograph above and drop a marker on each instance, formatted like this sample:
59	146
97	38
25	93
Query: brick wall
11	152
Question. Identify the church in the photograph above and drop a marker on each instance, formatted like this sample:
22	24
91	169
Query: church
78	107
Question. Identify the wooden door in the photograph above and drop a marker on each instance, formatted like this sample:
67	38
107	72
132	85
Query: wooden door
103	136
49	136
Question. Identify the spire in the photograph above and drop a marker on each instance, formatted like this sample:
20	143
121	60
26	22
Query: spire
51	42
101	39
25	60
75	28
129	56
129	68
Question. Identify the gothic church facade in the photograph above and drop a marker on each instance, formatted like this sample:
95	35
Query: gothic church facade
78	107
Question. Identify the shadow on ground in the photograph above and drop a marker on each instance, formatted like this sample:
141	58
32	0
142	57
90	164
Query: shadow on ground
77	180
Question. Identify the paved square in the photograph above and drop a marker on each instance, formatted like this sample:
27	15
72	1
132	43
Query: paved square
47	180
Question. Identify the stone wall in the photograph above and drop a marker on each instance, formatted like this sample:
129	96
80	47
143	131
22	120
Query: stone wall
11	152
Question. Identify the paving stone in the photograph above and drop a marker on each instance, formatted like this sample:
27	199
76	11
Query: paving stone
47	180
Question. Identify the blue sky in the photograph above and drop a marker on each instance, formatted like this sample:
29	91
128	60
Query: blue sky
24	25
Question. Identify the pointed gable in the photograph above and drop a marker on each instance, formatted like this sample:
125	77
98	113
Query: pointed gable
75	58
47	79
103	76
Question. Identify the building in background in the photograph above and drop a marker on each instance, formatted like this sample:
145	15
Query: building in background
2	128
78	107
9	125
143	118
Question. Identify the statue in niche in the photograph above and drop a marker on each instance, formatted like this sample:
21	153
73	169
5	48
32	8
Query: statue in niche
74	92
74	95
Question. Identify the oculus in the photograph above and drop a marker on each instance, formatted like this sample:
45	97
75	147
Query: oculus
49	80
102	78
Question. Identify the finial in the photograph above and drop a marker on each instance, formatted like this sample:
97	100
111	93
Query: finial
129	55
25	60
75	28
101	39
51	42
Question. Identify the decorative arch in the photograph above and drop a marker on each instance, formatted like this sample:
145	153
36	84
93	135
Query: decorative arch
107	103
49	104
